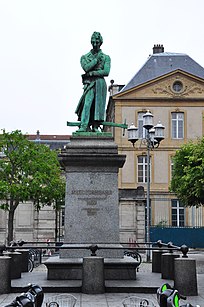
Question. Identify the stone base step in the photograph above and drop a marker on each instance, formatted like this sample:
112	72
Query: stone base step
146	282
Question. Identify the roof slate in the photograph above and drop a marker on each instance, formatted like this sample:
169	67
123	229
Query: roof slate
48	137
54	142
160	64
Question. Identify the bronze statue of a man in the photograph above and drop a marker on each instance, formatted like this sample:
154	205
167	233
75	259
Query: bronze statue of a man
91	107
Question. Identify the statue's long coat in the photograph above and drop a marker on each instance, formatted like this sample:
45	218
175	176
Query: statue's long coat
96	82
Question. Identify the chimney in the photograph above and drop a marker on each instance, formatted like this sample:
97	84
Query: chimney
38	136
114	88
158	49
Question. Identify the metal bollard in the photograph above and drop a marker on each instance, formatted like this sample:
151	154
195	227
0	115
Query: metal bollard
93	281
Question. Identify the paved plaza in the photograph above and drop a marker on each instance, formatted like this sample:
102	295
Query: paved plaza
116	291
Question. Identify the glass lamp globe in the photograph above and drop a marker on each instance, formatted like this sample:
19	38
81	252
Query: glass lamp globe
132	134
148	120
159	132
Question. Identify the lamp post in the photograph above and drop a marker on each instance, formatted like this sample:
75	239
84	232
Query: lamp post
154	135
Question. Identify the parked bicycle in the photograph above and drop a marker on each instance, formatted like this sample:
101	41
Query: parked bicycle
167	296
32	298
34	259
135	255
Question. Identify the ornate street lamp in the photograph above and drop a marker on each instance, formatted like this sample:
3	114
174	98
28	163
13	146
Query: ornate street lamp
154	135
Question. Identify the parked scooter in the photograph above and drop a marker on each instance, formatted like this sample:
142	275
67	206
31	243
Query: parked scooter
32	298
167	296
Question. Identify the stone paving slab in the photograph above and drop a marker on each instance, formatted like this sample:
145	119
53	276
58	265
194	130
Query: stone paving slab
102	300
140	285
146	280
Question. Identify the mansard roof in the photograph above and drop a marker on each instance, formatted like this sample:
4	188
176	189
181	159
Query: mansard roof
54	141
160	64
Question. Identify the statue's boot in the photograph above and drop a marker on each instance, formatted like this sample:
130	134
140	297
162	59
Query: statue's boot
96	127
83	128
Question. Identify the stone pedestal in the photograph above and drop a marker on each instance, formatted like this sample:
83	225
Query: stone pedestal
24	259
5	279
167	265
15	264
91	164
93	281
91	205
156	261
185	278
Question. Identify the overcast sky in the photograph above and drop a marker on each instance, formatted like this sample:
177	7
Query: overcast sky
41	42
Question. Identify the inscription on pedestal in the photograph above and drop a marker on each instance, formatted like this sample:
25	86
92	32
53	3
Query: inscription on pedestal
92	192
90	197
91	211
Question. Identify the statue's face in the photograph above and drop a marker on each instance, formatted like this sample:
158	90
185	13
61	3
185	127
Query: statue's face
96	43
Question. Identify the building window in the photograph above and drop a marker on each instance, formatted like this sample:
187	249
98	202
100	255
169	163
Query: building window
177	213
141	130
177	86
142	169
177	123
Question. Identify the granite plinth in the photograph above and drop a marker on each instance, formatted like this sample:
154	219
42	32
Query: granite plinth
167	265
91	203
15	264
156	260
24	259
93	281
185	277
5	279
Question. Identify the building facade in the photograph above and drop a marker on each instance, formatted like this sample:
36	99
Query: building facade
171	87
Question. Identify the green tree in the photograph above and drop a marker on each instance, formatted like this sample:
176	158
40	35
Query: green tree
188	174
28	172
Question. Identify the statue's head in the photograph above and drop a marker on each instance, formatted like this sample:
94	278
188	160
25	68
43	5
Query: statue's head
96	39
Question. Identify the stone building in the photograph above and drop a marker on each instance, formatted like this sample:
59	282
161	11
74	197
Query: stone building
171	86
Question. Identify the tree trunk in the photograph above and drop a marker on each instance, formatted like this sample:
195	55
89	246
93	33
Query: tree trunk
13	206
56	224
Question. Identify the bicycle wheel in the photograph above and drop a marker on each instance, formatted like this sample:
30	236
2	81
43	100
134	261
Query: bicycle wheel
30	265
138	257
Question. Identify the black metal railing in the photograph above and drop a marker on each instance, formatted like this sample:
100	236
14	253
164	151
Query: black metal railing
95	247
37	248
171	247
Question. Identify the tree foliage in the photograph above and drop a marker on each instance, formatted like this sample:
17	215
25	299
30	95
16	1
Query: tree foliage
28	172
188	174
